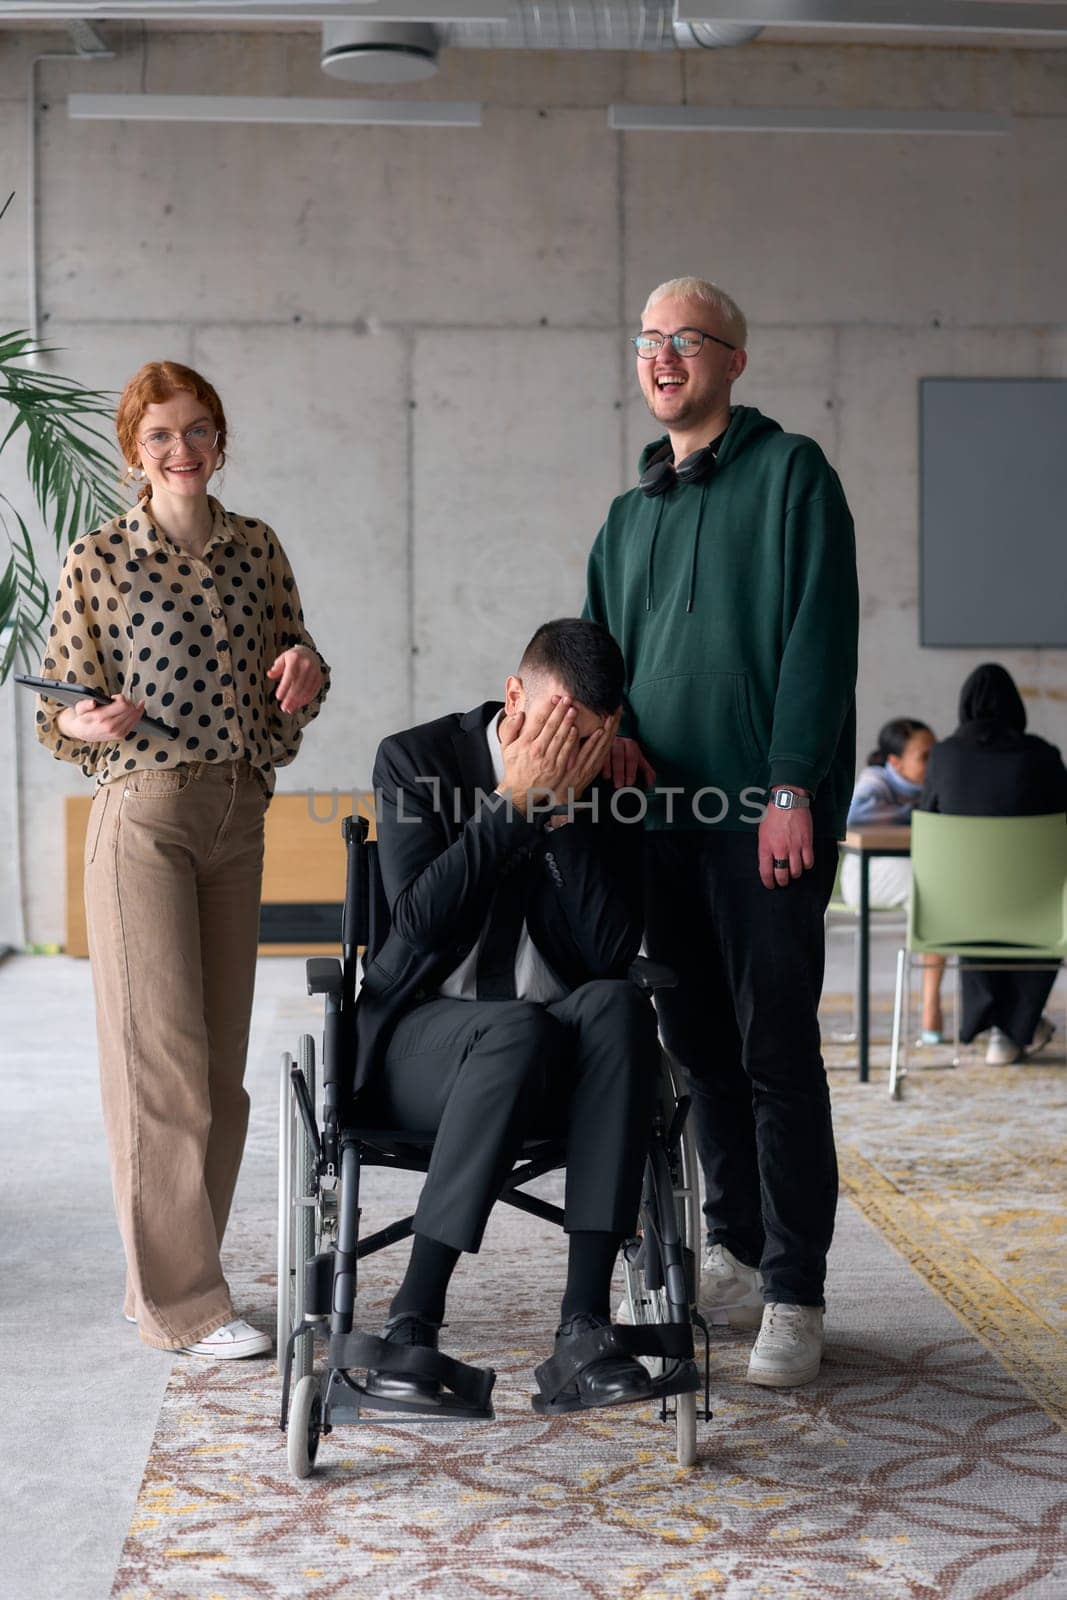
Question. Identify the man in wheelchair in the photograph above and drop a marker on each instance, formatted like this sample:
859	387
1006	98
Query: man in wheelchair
498	1009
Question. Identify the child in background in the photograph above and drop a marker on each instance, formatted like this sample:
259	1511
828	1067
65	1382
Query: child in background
886	793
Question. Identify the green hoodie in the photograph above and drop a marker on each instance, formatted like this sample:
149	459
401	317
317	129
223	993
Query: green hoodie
734	600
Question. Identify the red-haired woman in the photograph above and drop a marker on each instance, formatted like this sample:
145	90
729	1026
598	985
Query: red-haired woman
188	613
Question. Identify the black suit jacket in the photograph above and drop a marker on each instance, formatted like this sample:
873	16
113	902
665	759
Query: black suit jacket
441	855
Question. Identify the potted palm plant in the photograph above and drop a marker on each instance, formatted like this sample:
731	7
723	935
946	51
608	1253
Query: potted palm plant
70	477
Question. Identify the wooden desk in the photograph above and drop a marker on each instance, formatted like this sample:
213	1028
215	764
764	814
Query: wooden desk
304	864
866	843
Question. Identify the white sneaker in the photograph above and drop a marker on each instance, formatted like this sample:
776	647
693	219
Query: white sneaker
1002	1051
230	1342
1042	1034
789	1348
730	1293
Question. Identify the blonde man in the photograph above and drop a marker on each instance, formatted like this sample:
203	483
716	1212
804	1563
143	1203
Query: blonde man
728	576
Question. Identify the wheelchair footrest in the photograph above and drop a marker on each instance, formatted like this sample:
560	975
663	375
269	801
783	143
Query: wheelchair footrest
671	1342
465	1389
680	1377
449	1405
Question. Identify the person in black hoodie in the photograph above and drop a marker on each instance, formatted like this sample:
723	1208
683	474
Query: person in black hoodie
991	767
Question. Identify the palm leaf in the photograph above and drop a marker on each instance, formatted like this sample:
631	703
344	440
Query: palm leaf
67	464
70	470
24	598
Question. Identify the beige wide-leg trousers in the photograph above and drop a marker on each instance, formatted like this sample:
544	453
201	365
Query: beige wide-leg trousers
173	863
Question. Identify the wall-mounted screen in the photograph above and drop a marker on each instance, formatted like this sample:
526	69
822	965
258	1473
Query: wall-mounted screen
993	512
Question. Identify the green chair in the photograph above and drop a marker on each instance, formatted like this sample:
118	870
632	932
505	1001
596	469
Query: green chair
992	887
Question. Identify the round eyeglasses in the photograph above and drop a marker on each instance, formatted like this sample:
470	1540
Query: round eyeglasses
200	438
687	342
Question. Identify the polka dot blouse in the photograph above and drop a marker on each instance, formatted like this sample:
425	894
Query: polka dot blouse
192	638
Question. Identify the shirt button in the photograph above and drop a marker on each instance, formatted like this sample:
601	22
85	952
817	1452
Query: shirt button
216	613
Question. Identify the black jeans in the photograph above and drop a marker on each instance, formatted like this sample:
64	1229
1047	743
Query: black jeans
1010	1001
484	1075
743	1022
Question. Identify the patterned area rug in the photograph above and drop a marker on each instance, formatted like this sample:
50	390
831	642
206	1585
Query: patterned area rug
915	1468
967	1176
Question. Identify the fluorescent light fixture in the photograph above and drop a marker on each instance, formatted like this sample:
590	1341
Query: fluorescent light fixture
260	10
256	108
744	119
944	16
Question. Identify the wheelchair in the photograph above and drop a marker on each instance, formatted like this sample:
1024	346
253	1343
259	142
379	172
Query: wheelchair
319	1244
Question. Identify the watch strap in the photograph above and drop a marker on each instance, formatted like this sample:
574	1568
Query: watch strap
789	800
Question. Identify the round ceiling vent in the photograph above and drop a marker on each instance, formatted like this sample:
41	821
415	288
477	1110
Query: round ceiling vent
713	35
379	52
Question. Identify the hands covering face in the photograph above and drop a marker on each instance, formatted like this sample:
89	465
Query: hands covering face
545	757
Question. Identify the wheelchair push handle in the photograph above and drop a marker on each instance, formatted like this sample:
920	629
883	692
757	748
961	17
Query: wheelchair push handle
356	915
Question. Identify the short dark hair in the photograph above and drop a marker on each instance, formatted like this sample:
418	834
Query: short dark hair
893	738
585	659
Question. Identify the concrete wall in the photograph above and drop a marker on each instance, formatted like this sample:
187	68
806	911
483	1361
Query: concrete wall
419	335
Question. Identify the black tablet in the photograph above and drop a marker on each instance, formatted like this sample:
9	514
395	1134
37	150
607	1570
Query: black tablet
71	693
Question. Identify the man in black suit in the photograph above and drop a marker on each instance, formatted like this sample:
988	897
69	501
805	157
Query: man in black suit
498	1006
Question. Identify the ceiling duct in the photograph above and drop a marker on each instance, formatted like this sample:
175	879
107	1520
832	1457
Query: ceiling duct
573	25
380	52
376	52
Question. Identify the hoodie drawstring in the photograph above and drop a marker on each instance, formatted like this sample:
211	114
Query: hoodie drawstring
696	542
660	503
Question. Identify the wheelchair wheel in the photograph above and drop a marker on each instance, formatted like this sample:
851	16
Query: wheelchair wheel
685	1417
305	1427
645	1292
670	1214
296	1208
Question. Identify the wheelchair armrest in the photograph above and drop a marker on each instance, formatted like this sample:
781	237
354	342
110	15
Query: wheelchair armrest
651	975
324	975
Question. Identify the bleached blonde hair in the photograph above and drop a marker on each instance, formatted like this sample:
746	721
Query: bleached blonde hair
733	317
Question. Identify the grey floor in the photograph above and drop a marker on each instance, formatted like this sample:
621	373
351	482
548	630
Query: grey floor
80	1393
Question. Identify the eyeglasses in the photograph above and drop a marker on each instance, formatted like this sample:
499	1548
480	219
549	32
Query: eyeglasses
687	342
201	437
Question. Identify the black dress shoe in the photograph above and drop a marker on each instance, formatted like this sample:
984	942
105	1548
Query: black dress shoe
406	1330
610	1381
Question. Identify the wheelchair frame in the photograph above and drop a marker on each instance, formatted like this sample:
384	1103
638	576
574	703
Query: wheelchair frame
319	1246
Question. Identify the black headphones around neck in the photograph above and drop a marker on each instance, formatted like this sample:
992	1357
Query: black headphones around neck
661	474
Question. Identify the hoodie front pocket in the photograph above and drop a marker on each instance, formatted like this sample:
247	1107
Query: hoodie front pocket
697	730
746	723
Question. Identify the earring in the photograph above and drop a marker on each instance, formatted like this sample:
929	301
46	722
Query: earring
136	474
